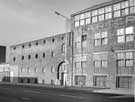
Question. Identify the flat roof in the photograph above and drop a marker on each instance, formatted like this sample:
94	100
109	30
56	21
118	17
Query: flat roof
94	7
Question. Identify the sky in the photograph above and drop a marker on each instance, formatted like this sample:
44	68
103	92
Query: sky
26	20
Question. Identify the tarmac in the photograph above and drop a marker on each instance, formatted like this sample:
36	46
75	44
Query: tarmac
119	91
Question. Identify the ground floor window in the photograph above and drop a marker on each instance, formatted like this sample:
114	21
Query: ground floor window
80	80
124	82
100	81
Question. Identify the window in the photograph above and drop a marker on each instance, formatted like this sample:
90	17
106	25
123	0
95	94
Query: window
53	54
36	43
125	59
52	69
14	59
63	48
44	55
88	17
101	38
44	41
100	60
29	57
84	41
78	45
101	12
124	82
125	8
36	70
43	70
29	45
100	81
36	56
52	39
14	48
116	8
22	57
125	35
22	46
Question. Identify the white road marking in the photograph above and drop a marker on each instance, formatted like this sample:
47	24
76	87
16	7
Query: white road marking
29	91
72	96
25	98
120	97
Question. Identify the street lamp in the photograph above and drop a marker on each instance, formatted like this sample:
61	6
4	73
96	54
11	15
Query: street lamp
66	29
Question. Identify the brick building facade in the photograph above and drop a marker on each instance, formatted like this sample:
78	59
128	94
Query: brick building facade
43	61
104	45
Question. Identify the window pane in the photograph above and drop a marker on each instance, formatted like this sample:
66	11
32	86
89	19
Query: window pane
120	32
84	44
117	13
124	4
104	41
82	16
121	39
76	23
129	30
108	9
120	56
82	22
94	19
104	63
101	17
129	38
129	62
108	15
132	10
87	15
88	21
116	6
77	17
121	63
94	13
97	64
101	11
129	55
131	2
97	42
125	11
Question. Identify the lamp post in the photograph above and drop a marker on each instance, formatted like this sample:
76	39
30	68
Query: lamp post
66	29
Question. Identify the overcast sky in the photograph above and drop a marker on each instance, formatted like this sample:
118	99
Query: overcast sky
27	20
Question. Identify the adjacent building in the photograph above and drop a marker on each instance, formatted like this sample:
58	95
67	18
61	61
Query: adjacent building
104	45
43	61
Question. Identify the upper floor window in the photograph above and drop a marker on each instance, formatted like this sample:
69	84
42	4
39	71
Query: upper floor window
125	34
22	57
36	43
29	45
14	48
44	55
52	39
53	54
63	48
43	69
84	41
44	41
14	59
78	45
125	59
101	38
100	60
22	46
29	57
36	56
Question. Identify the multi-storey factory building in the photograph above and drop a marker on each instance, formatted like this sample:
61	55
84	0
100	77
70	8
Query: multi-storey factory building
104	45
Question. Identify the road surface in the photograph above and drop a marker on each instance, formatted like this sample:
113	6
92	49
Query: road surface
9	93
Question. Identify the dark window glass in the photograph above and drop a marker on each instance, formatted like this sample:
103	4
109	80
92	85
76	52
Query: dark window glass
29	56
36	56
22	57
43	55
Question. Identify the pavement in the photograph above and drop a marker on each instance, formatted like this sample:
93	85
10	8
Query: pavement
119	91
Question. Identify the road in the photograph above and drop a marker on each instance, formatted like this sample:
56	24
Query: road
9	93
